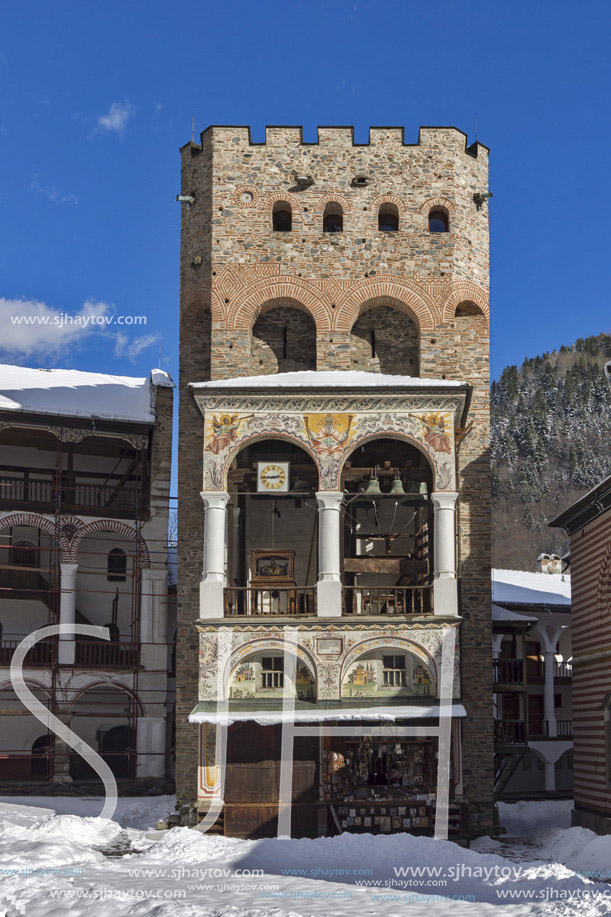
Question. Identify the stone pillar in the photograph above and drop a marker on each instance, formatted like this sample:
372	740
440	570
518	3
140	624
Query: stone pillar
329	586
213	579
445	586
151	746
67	612
549	713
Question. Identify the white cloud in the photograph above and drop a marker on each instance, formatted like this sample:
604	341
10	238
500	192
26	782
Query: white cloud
131	349
116	117
30	327
51	192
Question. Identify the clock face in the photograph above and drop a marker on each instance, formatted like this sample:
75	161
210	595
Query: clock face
273	476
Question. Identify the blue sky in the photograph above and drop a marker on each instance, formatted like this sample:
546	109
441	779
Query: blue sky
97	98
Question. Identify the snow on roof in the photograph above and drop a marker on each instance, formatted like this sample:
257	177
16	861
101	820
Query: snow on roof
522	588
73	393
337	379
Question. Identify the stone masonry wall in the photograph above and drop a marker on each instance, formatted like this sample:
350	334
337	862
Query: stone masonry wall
233	265
394	347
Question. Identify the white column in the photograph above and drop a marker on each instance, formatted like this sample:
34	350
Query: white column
214	578
67	612
445	587
549	713
329	586
150	746
550	776
153	606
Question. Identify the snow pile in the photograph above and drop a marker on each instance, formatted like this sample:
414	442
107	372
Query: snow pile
581	850
51	840
141	812
534	819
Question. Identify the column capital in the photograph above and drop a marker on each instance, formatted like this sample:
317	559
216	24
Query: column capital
444	500
68	569
215	499
330	499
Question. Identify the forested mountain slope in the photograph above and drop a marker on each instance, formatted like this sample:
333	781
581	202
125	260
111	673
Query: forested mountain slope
551	442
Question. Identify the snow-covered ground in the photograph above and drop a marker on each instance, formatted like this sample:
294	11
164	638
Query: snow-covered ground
58	859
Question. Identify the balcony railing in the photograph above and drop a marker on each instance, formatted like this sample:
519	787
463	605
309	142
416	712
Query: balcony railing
91	654
563	670
387	600
508	671
272	601
82	496
106	655
41	654
539	728
510	732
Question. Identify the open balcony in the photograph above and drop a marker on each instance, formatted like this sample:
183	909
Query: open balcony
93	654
365	550
27	492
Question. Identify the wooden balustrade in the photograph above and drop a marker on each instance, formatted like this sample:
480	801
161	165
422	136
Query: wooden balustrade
387	600
90	496
257	600
508	671
510	732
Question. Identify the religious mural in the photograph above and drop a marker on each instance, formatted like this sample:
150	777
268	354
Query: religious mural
328	437
388	675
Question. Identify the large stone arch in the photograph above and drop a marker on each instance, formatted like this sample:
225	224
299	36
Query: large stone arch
39	522
262	295
404	295
117	528
463	291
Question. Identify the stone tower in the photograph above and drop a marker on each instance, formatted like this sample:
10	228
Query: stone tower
368	263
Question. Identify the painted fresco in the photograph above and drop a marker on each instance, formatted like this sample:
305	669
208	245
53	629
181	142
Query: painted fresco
367	678
329	437
246	683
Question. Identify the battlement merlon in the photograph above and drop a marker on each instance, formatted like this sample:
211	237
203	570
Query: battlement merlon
239	136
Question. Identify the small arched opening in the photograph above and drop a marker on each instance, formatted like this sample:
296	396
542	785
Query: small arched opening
439	220
333	218
388	529
40	762
388	218
282	217
116	566
103	716
273	532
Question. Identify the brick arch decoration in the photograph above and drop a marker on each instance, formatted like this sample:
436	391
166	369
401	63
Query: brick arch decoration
39	522
356	443
333	197
433	202
389	199
111	683
117	528
401	643
463	291
305	295
407	296
272	199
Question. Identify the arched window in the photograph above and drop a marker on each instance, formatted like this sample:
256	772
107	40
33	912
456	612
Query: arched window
116	570
388	218
467	308
333	218
24	554
282	217
438	221
39	762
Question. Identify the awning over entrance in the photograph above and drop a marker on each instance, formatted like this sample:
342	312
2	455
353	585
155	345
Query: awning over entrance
207	712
